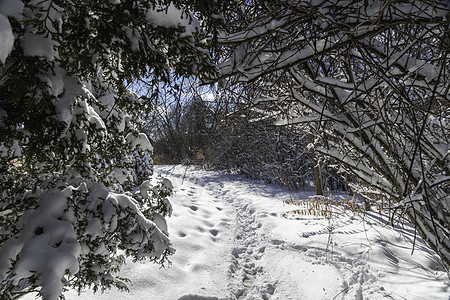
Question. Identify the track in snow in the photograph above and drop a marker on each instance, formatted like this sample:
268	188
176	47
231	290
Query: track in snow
251	270
233	243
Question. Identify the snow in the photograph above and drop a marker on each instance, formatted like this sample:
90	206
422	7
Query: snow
12	8
253	32
141	141
84	108
37	45
440	180
38	252
6	38
66	89
237	238
16	149
291	121
171	16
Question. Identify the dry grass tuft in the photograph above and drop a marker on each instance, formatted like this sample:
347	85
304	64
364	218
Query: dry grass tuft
324	207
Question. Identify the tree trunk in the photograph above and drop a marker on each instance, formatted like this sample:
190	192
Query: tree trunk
316	167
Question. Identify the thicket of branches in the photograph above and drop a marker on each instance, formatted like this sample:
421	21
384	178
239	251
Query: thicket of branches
372	79
214	128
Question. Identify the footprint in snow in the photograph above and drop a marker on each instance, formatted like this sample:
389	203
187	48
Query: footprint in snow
208	224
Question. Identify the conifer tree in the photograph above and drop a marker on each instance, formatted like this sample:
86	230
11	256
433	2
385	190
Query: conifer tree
68	130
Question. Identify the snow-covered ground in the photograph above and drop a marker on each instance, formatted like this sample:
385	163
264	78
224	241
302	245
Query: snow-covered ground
236	238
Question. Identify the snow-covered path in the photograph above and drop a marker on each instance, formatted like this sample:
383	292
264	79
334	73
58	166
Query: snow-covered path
236	239
263	266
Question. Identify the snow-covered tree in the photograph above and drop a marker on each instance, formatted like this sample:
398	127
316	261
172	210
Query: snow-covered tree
374	78
68	131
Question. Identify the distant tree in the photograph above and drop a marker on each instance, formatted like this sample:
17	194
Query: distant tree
68	130
242	143
183	122
374	79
